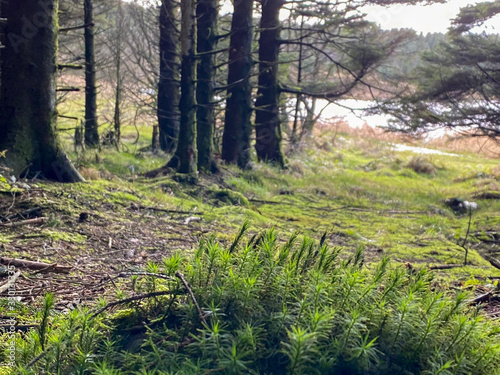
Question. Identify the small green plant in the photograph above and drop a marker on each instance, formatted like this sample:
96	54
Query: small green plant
271	306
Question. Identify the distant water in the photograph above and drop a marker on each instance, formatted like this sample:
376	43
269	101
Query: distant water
353	112
419	150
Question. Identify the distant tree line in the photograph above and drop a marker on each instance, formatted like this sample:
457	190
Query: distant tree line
220	86
456	86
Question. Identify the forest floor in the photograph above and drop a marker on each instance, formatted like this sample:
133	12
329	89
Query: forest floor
360	191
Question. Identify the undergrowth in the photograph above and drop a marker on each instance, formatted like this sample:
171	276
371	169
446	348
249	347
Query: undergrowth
271	306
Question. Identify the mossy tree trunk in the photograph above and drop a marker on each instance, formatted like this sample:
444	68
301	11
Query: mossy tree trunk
237	124
185	159
168	84
267	122
28	112
206	17
91	127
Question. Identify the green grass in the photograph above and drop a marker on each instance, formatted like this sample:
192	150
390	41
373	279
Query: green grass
363	192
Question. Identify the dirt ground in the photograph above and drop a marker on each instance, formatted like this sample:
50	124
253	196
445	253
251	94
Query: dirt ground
93	237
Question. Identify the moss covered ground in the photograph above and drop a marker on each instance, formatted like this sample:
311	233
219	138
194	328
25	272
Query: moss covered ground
360	192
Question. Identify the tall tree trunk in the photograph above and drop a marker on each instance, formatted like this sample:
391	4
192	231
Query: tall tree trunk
119	79
28	115
206	17
267	122
168	86
237	123
91	128
295	136
185	159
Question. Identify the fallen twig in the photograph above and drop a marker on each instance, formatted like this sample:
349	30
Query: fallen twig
37	220
35	266
188	288
493	261
157	275
11	281
35	211
445	266
160	209
137	297
481	298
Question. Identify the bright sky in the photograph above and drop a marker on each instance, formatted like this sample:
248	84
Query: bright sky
430	18
425	19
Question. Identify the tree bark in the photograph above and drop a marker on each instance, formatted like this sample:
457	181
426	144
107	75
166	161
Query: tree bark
267	122
185	159
28	112
91	127
206	16
237	123
168	86
294	138
119	79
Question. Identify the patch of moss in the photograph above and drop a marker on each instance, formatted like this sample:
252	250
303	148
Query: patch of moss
4	185
4	239
64	236
234	198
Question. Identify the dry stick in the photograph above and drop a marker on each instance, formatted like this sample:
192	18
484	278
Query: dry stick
11	281
37	220
36	359
36	266
445	266
481	298
130	299
169	211
188	288
493	261
139	273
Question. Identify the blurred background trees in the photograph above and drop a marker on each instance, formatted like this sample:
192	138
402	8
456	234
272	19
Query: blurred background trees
244	80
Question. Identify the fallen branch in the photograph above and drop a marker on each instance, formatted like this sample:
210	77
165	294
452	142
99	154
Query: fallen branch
188	288
481	298
157	275
445	266
11	281
130	299
493	261
167	210
37	220
35	266
35	211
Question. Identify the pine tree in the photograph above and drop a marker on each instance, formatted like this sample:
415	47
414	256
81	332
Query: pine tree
458	82
28	113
